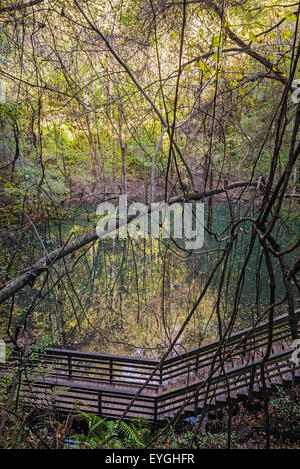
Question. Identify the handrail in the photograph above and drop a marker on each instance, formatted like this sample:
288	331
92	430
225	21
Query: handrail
203	348
100	356
103	368
229	373
111	402
233	337
251	338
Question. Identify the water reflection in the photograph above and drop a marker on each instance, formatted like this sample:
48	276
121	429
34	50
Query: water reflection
132	296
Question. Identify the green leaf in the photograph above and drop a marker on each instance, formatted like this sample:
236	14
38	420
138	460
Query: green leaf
217	40
286	34
291	17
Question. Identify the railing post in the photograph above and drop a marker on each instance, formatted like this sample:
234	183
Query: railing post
111	373
70	366
99	403
160	375
196	401
155	414
197	363
244	342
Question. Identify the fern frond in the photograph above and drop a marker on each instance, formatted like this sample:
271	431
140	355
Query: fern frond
130	433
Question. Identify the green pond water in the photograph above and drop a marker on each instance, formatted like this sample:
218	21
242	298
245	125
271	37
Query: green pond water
131	296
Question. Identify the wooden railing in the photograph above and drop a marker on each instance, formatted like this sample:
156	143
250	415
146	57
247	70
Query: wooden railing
96	368
239	379
239	344
123	370
190	399
106	402
106	384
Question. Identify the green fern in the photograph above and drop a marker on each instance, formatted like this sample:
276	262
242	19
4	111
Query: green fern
97	426
131	434
115	434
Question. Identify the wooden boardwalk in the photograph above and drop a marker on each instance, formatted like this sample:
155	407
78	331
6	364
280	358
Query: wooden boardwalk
209	376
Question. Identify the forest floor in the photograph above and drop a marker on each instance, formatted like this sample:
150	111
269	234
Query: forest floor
138	189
